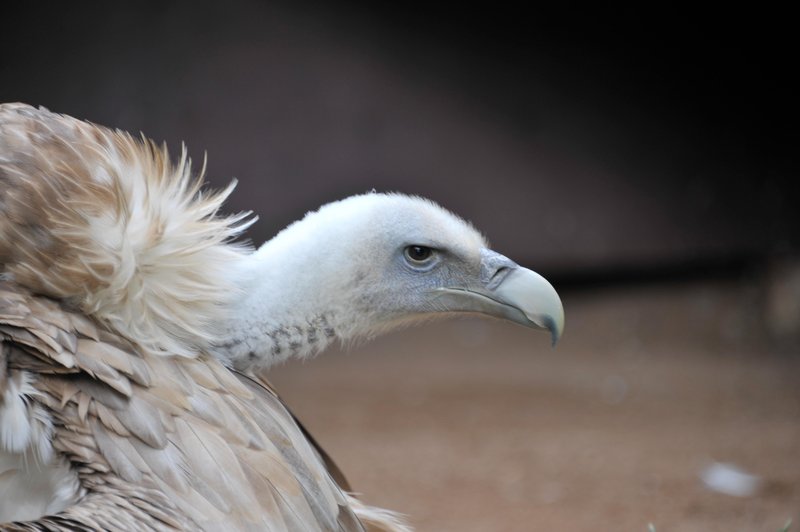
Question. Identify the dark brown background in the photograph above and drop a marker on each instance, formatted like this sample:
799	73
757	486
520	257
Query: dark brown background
644	161
576	141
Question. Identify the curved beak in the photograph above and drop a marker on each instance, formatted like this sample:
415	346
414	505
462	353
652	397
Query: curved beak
508	291
533	296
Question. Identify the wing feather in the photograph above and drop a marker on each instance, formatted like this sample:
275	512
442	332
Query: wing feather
159	442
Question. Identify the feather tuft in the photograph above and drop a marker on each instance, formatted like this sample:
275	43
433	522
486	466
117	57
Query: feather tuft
108	222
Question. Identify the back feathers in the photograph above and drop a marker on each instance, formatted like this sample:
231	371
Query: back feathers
108	223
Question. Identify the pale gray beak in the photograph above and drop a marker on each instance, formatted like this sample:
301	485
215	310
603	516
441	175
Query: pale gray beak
508	291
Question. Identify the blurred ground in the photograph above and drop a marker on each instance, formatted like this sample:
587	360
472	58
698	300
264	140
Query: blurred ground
478	426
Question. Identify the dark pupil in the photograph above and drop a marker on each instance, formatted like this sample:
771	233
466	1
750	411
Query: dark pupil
419	252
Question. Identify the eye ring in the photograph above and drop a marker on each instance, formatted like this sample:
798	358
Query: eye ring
418	254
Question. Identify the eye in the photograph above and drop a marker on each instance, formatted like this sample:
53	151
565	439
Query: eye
418	254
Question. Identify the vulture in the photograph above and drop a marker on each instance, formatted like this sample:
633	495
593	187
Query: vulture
136	326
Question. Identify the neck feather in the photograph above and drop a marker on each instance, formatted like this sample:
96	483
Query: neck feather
295	304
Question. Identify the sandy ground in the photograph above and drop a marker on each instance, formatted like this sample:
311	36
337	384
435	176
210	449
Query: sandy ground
473	425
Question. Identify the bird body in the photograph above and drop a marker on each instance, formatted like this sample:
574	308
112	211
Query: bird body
134	332
153	441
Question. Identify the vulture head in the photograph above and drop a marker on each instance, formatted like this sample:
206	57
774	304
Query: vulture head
371	263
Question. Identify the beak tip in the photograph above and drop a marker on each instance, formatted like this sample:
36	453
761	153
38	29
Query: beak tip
555	328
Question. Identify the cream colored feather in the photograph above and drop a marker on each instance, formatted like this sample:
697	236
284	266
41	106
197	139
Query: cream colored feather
139	244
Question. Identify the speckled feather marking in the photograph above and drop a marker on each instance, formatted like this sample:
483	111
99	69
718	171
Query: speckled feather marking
285	340
107	222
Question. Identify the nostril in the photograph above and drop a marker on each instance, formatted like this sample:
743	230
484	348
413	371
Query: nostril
498	276
500	273
494	268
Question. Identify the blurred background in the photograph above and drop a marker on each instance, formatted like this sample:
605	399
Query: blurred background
645	162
